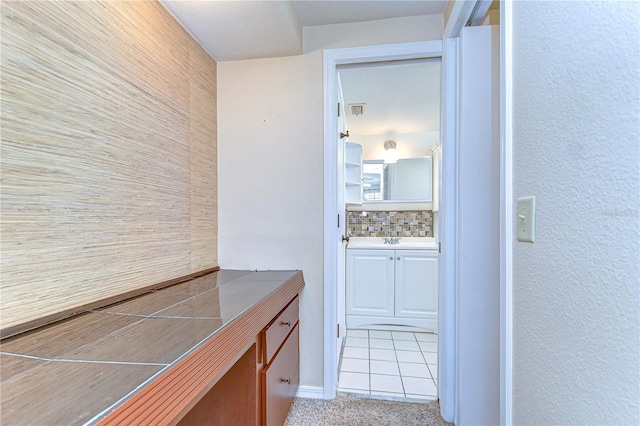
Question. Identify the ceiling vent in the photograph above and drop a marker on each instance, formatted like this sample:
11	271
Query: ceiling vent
356	109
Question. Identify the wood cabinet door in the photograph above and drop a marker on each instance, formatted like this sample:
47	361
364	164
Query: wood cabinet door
281	380
370	276
276	332
416	291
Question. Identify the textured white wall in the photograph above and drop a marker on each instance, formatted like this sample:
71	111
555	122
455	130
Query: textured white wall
576	305
270	163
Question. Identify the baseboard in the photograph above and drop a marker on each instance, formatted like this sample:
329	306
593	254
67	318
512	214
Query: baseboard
313	392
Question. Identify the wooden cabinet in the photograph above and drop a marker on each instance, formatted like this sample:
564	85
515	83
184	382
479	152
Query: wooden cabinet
281	379
281	374
243	370
276	333
260	387
392	288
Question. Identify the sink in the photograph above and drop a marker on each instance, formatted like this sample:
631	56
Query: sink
406	243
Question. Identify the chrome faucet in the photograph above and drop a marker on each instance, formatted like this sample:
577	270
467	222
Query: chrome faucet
392	240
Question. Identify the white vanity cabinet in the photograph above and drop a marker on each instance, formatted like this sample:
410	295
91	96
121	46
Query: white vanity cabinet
370	283
392	289
416	284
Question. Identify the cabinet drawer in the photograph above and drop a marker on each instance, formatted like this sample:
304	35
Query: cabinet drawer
278	330
281	380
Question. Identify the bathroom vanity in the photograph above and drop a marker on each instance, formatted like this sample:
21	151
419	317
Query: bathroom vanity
392	285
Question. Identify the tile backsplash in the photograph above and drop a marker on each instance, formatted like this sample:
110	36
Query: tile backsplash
390	223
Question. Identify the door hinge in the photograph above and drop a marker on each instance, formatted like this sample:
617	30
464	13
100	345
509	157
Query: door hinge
338	109
439	247
338	329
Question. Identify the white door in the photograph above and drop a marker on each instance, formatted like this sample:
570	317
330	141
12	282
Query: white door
416	292
370	278
341	220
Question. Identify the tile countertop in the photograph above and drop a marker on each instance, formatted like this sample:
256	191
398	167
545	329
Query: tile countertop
77	370
405	243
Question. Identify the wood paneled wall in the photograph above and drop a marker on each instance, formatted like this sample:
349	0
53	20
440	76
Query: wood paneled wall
108	156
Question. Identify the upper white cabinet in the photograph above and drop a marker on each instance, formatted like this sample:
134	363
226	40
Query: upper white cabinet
353	173
392	288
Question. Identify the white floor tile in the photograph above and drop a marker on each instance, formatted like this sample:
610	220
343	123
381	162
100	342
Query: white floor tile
407	356
426	337
427	346
414	370
383	354
355	365
386	383
379	334
403	335
384	367
392	365
358	342
416	386
353	381
349	352
357	333
433	368
381	344
405	345
430	357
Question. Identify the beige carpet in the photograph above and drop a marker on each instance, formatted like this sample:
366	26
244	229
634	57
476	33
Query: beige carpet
355	411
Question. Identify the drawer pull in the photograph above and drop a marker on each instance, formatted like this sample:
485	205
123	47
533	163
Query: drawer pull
287	380
287	323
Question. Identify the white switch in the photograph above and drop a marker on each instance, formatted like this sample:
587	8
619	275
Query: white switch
526	219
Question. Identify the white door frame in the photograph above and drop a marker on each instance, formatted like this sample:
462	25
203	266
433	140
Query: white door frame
460	14
448	234
333	58
448	314
506	215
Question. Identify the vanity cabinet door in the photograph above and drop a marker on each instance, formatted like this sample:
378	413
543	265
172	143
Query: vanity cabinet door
416	292
370	282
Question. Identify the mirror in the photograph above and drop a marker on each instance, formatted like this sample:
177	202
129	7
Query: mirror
394	105
409	179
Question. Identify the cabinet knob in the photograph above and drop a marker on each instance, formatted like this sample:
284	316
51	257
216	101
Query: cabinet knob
287	323
398	257
287	380
390	257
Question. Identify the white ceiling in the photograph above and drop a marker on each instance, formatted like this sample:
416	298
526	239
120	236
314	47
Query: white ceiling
324	12
402	104
247	29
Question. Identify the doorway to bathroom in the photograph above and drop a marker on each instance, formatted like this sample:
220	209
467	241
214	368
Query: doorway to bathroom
389	120
391	344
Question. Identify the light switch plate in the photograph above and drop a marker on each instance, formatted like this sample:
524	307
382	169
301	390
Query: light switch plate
526	219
